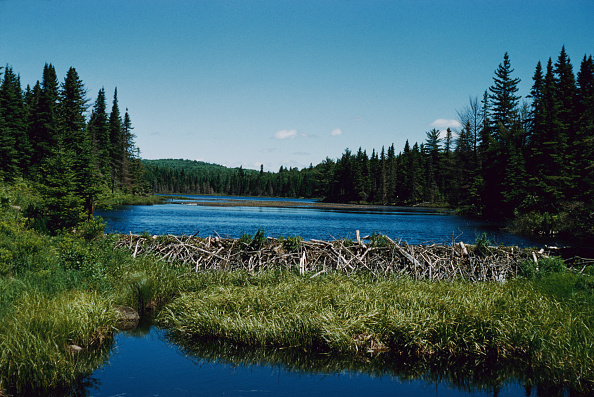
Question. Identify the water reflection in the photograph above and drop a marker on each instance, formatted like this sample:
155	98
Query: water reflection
442	376
412	225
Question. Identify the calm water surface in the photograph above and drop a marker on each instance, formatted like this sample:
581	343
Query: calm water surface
150	365
413	225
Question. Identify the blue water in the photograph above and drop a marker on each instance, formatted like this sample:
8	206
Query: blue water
149	366
411	225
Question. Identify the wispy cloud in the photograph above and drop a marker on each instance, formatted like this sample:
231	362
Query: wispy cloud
336	132
442	124
301	153
285	134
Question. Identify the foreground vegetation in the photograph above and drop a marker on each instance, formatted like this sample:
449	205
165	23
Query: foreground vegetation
58	292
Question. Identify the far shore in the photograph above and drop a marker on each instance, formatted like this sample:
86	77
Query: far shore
292	204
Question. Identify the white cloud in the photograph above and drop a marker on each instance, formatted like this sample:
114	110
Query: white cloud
285	134
336	132
443	124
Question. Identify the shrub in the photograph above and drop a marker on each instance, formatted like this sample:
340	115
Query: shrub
482	243
292	243
379	240
545	266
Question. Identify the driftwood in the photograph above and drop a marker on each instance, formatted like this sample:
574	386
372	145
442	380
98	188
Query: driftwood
380	256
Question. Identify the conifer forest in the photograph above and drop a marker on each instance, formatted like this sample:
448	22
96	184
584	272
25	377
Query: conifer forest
47	137
527	160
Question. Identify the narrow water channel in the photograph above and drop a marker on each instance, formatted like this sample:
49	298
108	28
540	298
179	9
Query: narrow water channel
148	364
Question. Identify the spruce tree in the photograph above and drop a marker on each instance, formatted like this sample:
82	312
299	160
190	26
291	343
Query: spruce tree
74	136
503	115
548	148
44	128
99	131
116	142
585	132
15	148
503	99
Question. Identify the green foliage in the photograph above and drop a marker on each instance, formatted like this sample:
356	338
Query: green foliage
142	291
90	229
35	337
259	239
352	314
481	245
379	240
543	268
292	243
255	242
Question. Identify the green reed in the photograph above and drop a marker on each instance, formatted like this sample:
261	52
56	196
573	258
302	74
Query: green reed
360	314
36	335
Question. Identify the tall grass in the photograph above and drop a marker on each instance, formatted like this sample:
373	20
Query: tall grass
360	314
35	337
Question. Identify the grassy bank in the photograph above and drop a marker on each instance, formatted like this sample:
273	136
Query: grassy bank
57	297
545	323
112	200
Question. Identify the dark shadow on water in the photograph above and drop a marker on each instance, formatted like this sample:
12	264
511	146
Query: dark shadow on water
468	375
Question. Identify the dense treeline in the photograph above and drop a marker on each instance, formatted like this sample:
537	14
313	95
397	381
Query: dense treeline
531	160
196	177
45	137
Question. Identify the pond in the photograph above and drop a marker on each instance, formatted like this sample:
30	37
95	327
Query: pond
412	225
148	363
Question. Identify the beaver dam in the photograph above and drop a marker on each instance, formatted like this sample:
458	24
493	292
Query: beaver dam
377	254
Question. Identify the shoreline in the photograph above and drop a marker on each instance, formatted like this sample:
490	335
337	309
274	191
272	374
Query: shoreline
296	204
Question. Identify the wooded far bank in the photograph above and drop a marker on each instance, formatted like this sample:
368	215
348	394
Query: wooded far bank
531	160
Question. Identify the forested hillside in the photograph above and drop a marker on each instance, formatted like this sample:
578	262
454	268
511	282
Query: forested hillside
531	160
47	138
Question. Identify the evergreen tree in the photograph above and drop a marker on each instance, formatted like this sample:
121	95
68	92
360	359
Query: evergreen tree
63	203
116	142
503	117
566	94
503	97
433	166
584	143
44	124
15	149
547	148
99	131
75	137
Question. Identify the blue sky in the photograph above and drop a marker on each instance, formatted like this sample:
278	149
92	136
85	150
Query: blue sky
289	83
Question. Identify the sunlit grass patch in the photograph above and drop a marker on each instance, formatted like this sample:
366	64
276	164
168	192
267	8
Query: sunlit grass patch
362	314
37	336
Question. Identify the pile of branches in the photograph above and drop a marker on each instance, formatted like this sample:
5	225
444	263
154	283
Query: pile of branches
377	254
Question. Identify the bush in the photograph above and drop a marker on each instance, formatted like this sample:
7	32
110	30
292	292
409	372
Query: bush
379	240
482	243
256	242
291	243
545	266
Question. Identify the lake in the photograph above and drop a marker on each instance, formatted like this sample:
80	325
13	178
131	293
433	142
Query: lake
146	363
412	225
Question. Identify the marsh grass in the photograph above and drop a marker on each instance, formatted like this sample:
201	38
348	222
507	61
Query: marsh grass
35	335
359	314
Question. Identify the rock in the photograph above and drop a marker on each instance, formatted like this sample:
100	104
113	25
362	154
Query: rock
127	318
74	349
